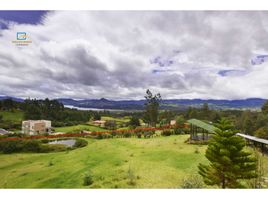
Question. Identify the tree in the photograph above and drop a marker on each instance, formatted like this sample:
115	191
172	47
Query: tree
96	116
134	121
152	107
229	163
110	124
262	132
265	108
180	120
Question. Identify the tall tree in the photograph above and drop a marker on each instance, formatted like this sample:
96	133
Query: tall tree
265	108
229	163
152	107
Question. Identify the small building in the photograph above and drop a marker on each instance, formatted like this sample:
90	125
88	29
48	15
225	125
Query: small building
200	130
3	131
100	123
172	122
36	127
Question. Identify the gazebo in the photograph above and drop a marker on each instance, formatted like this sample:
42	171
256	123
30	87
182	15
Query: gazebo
200	130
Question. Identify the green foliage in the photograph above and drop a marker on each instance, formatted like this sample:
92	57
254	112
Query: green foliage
265	108
88	179
80	143
110	124
180	120
192	182
134	122
20	146
131	176
229	163
262	132
152	107
96	116
167	133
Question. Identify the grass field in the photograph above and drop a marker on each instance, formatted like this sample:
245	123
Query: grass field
154	163
77	128
117	119
15	116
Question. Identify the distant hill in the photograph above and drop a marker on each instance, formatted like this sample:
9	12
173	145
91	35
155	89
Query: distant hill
171	104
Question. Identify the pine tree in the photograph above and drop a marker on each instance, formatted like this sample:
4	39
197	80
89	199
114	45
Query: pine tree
229	163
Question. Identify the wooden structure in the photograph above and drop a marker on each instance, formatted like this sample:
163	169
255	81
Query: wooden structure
200	130
255	141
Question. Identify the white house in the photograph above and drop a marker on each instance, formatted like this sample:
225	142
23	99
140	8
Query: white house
35	127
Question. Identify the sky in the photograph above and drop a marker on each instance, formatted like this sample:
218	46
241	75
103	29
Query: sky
119	54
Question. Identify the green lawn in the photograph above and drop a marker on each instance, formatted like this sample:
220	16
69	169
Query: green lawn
154	163
16	115
117	119
78	128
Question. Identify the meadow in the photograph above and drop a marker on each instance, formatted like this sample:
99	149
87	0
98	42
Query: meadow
162	162
78	128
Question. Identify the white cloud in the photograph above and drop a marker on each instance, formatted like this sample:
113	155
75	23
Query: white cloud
90	54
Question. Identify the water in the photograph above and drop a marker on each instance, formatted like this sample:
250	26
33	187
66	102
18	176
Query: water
93	109
68	143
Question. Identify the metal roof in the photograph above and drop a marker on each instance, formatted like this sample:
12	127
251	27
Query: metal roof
256	139
208	127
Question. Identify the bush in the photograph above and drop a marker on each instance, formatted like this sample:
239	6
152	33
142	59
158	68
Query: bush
99	136
177	131
139	135
127	135
20	146
80	143
148	134
31	146
191	182
167	133
88	179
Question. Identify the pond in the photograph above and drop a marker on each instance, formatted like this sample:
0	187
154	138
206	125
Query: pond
69	143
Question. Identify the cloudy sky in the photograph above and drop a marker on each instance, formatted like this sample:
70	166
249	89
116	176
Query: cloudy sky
118	55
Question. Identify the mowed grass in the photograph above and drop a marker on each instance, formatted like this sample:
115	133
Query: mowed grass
160	162
15	115
78	128
117	119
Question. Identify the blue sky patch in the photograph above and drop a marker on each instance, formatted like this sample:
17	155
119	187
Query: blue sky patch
21	17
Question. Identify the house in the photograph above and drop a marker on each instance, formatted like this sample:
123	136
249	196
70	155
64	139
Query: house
3	131
36	127
172	122
100	123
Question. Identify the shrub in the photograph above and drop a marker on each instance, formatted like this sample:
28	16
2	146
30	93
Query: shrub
139	135
31	146
177	131
80	143
88	179
20	146
191	182
167	133
99	136
108	136
127	135
131	177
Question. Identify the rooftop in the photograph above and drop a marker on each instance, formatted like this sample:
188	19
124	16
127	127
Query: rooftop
208	127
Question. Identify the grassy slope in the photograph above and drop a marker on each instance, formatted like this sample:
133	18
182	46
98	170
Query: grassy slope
158	162
16	115
78	128
117	119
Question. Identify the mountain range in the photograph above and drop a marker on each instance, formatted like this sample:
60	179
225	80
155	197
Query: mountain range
170	104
